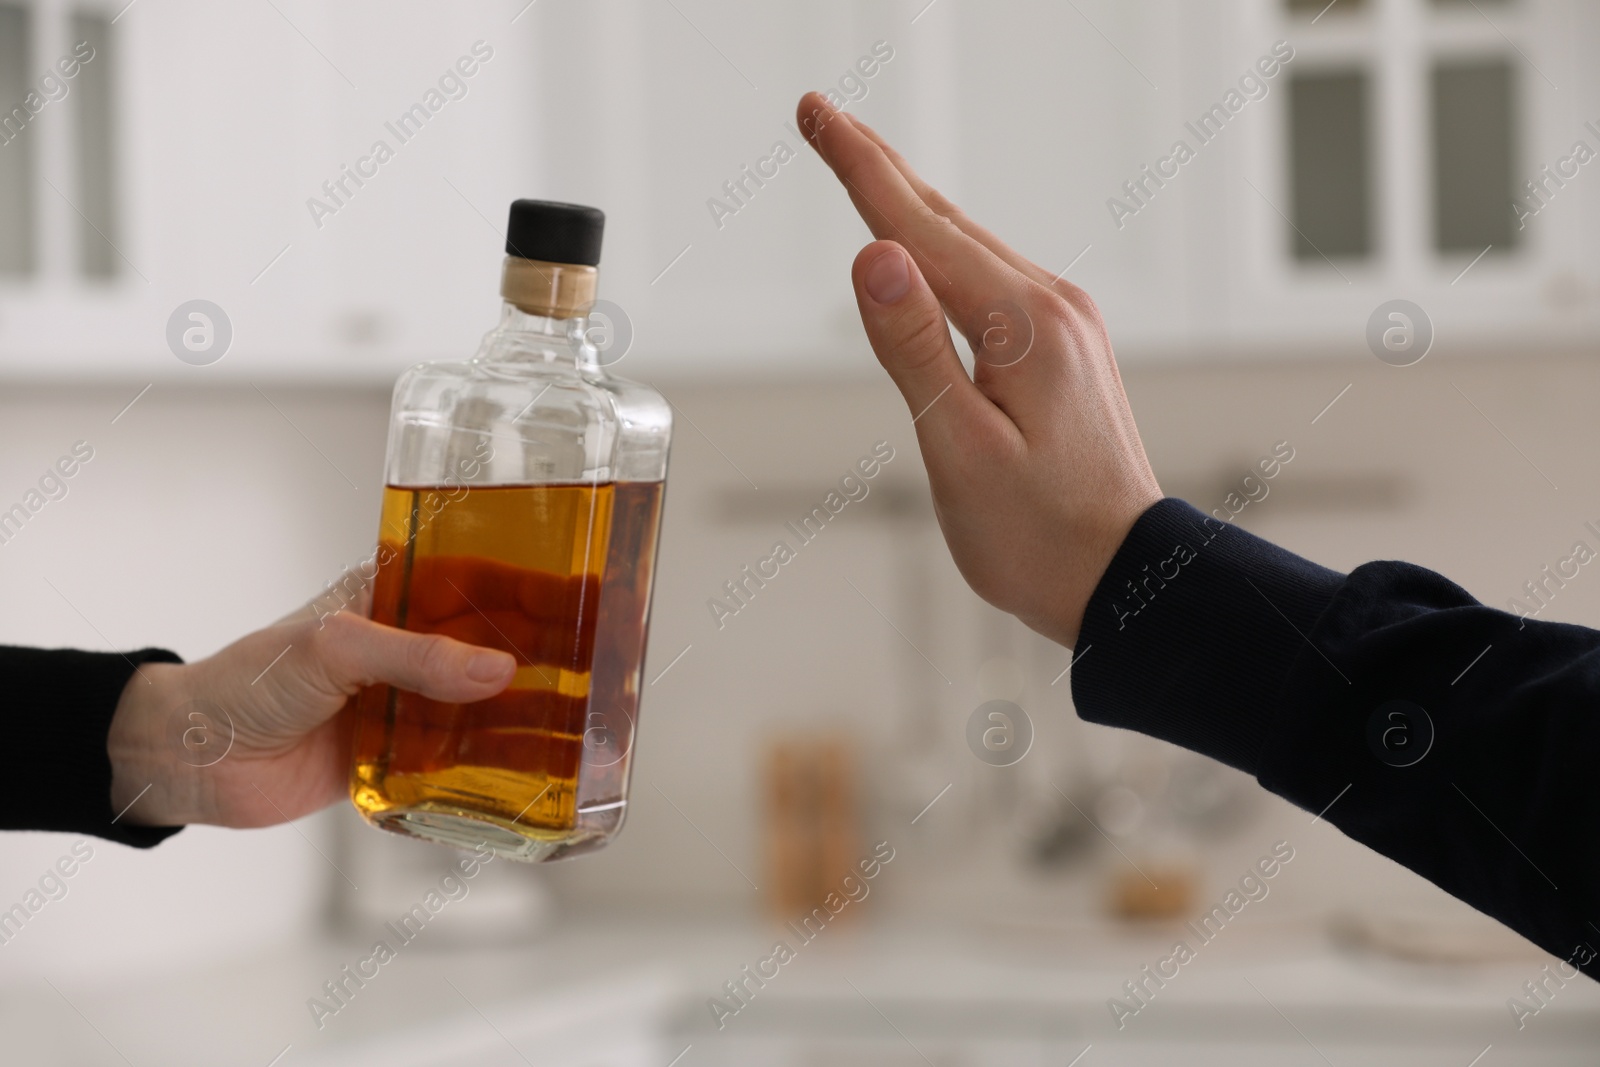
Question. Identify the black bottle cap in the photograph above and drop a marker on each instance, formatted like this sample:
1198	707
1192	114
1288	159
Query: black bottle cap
555	232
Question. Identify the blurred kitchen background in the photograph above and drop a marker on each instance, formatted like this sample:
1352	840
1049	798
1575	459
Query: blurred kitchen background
1389	160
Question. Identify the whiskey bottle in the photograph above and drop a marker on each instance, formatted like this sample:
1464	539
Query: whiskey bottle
521	508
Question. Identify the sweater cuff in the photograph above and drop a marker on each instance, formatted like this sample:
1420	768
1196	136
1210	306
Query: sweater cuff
1193	631
62	702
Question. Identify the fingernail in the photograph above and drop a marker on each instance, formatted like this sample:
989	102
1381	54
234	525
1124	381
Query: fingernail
888	277
490	666
814	123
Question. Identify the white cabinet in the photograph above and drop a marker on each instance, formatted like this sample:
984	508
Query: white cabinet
1078	101
1535	287
729	244
229	121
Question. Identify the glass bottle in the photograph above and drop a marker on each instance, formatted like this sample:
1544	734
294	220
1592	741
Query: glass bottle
521	508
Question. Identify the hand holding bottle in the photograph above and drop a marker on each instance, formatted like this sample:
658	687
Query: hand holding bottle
1035	462
281	731
497	655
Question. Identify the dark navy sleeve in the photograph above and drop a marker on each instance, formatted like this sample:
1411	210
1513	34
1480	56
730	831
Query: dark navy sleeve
1451	737
57	708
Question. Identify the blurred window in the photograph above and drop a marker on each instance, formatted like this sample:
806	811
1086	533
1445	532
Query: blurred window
16	149
1355	83
36	89
1329	160
1473	156
94	135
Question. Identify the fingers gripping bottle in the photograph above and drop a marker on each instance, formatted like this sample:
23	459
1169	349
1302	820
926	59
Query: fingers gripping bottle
521	508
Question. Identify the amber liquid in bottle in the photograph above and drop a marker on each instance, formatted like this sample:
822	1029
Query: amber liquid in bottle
557	575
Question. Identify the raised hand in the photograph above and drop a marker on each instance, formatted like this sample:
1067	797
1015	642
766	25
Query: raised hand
1035	462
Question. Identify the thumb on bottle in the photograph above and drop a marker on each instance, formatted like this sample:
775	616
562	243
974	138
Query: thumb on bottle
354	651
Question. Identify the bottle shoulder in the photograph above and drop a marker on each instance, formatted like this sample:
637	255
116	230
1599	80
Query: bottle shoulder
544	420
636	404
489	386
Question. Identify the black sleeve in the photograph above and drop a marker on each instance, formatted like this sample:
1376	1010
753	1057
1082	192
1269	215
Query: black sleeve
57	707
1453	738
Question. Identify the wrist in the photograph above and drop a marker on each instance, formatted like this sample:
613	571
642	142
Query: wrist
150	784
1195	627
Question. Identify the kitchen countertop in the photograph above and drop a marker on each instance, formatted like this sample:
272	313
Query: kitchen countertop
652	982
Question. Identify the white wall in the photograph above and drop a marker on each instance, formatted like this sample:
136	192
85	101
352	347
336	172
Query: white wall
204	514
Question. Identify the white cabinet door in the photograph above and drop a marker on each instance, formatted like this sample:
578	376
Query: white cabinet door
247	171
240	137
